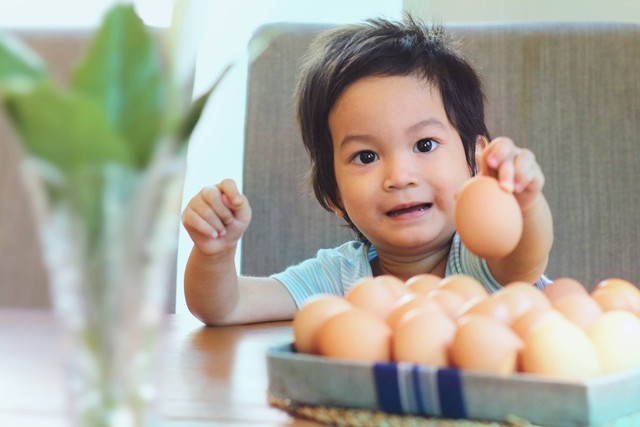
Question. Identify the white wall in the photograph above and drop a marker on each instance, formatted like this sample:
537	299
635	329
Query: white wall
75	13
215	150
525	10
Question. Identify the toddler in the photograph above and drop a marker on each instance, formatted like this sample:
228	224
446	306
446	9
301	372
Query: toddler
393	120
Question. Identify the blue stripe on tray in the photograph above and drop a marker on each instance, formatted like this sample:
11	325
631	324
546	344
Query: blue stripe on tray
450	392
414	389
387	388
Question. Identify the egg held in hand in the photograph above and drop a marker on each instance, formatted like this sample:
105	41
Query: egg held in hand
488	218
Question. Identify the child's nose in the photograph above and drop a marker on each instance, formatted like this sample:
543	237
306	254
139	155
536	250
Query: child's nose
400	173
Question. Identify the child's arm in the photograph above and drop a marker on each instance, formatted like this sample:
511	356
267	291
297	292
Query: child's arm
518	171
216	218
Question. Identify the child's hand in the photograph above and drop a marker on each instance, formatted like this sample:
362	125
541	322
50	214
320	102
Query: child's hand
217	217
515	168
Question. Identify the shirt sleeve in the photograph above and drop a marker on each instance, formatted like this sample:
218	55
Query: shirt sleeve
462	261
332	271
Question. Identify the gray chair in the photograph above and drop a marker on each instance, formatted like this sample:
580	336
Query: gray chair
570	92
23	279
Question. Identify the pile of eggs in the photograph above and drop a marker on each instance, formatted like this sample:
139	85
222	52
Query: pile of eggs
563	332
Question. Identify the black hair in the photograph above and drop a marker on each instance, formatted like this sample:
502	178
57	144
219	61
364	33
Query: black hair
378	47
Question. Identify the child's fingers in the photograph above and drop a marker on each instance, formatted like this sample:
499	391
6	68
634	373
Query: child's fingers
205	207
528	175
235	201
515	168
216	212
195	223
506	175
229	188
492	157
498	161
498	151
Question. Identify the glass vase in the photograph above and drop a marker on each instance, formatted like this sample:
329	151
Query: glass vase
109	238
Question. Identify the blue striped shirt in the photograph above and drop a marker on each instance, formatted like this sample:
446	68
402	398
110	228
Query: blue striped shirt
334	271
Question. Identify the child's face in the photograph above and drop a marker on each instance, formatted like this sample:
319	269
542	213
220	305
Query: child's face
398	163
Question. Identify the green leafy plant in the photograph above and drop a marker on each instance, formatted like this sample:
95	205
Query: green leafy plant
106	150
116	108
122	107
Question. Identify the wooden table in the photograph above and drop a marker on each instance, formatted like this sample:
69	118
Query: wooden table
209	376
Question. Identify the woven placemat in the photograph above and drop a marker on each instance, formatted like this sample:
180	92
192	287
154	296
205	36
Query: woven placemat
353	417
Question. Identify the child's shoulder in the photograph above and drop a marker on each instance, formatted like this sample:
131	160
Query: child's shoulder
352	249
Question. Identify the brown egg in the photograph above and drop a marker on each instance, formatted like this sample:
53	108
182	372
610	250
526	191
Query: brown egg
423	336
397	287
580	309
612	299
520	297
491	307
563	286
488	218
408	303
616	337
313	313
450	302
483	343
423	283
628	295
375	296
465	286
357	335
532	319
559	349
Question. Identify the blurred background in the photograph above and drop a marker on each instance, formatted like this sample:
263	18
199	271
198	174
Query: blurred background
222	28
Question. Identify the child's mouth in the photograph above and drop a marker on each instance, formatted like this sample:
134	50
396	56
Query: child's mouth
409	209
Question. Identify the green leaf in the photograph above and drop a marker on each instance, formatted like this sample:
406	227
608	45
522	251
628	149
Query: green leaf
19	66
65	129
195	111
257	45
122	72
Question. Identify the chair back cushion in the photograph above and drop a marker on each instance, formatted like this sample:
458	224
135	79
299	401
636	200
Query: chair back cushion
568	91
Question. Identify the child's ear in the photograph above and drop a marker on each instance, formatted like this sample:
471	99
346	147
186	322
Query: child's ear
336	209
481	143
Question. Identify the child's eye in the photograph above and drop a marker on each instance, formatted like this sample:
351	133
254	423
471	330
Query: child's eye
426	145
365	157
